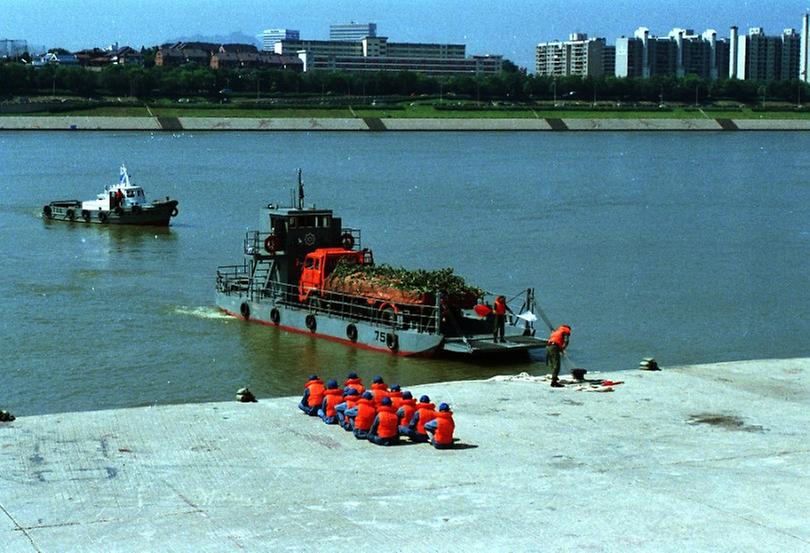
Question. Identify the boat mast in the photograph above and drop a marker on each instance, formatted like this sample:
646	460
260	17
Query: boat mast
300	191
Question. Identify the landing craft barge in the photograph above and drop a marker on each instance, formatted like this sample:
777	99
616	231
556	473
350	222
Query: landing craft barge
119	204
288	279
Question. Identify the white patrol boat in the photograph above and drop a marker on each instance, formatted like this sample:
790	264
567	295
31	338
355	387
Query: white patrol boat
119	204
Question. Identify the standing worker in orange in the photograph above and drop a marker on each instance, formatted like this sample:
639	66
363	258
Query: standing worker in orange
441	428
499	309
313	396
557	342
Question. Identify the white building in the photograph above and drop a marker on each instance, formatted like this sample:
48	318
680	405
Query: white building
377	54
579	55
352	31
269	37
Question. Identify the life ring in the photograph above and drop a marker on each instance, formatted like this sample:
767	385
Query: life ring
175	211
392	341
86	215
70	214
119	210
244	309
102	216
347	241
47	211
351	332
311	323
275	316
271	244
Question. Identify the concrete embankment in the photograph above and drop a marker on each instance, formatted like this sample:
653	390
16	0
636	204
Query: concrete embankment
180	124
701	458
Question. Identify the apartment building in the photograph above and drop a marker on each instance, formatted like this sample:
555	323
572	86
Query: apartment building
579	55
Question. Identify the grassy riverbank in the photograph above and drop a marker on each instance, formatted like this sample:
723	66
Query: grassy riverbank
408	110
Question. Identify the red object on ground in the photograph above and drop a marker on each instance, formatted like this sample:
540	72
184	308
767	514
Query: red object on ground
482	310
612	383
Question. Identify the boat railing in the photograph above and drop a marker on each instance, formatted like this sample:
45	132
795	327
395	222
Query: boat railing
233	279
257	242
422	318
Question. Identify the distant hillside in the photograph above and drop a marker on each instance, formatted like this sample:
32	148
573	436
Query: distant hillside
235	37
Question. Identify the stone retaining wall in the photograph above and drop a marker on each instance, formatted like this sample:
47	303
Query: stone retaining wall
180	124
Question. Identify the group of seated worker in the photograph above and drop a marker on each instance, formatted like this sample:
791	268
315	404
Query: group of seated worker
378	414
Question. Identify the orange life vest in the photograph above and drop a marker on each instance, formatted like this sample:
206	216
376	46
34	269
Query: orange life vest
427	412
444	428
387	422
380	390
396	399
365	414
316	390
558	336
332	398
408	407
355	383
499	308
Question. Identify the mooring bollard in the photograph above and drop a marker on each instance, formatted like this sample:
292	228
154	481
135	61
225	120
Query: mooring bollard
245	396
648	364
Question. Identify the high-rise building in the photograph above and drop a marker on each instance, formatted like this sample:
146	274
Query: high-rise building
10	48
804	50
352	31
579	55
679	54
791	54
269	37
765	58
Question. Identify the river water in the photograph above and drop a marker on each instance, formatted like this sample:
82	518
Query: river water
689	247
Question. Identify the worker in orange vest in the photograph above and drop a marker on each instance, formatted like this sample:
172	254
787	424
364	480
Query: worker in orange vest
362	415
313	396
384	430
395	393
557	342
331	397
425	412
441	428
379	388
405	411
350	397
354	381
499	309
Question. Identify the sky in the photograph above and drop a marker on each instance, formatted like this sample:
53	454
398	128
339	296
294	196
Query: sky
511	28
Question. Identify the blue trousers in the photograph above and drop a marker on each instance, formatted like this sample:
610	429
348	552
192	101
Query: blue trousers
311	411
360	434
375	439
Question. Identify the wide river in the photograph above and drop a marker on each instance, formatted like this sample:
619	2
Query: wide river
689	247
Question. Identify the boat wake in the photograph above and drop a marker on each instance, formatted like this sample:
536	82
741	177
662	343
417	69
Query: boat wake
205	312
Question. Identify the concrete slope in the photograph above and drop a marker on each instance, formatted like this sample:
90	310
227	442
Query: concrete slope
704	458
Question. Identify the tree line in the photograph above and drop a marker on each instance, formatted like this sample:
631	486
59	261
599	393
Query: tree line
511	85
